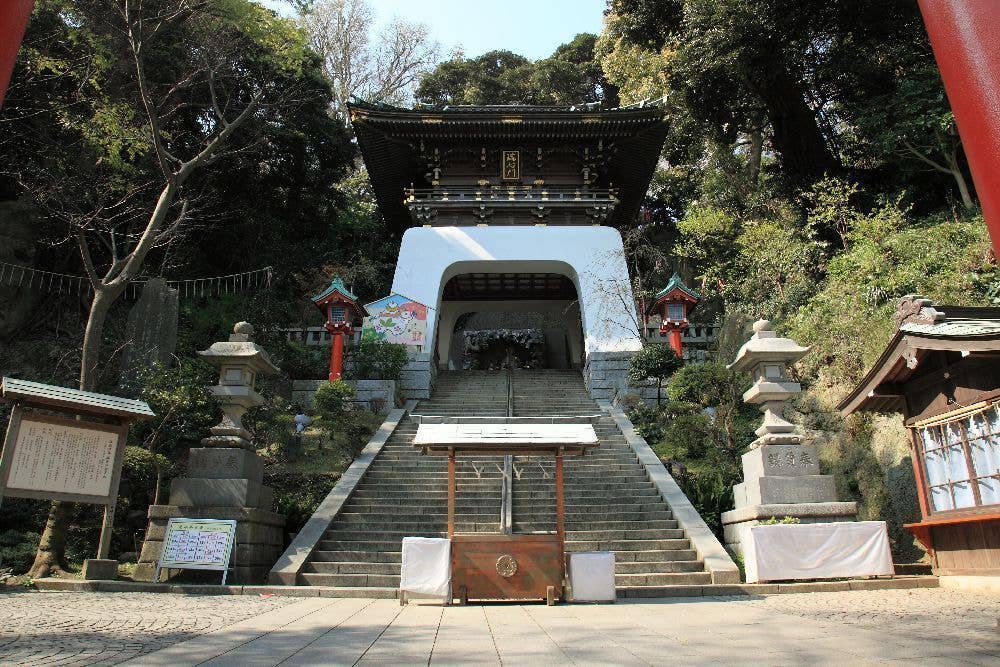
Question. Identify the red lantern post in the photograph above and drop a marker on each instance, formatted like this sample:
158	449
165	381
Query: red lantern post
341	309
673	304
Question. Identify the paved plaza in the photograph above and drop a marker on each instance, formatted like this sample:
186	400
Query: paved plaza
933	626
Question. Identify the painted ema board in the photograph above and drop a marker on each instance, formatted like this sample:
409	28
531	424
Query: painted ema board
62	459
198	544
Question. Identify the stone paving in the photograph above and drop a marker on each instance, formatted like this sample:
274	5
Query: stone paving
920	625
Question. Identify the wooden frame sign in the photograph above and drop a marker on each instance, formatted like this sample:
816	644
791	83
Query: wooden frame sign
197	544
61	459
66	444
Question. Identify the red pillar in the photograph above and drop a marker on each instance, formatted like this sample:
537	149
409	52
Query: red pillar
965	36
675	341
336	355
13	21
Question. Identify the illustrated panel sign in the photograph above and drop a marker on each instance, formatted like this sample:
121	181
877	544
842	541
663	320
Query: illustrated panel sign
396	319
198	544
58	458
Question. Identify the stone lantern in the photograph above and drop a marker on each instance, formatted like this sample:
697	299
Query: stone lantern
240	362
781	474
225	475
673	304
341	309
768	357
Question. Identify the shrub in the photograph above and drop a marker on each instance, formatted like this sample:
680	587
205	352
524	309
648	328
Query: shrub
17	549
705	384
378	360
658	361
330	400
184	406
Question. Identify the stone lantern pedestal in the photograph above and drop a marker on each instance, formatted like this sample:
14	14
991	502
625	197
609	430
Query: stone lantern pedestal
225	477
780	473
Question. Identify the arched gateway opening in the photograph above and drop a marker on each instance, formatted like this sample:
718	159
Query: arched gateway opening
526	319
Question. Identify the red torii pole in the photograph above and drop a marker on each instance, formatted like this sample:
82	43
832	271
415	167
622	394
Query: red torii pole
965	36
13	21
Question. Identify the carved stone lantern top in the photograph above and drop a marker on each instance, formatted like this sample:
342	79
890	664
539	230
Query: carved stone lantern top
239	350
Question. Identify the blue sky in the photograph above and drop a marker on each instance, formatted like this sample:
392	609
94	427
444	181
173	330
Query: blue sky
533	28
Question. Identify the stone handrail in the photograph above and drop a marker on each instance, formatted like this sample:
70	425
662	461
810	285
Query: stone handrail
716	559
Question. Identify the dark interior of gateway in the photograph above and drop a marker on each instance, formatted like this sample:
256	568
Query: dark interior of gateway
510	320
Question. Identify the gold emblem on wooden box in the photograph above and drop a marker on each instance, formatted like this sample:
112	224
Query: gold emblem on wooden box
506	566
511	165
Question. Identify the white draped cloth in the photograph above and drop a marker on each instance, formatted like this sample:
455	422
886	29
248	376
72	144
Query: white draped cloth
426	566
592	576
817	551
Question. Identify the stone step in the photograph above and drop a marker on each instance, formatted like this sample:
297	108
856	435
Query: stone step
322	555
627	545
658	566
379	593
352	567
675	555
610	502
663	579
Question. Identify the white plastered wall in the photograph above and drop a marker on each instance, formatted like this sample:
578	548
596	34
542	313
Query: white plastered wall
592	257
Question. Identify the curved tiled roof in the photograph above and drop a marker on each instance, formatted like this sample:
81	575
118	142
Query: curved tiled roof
388	137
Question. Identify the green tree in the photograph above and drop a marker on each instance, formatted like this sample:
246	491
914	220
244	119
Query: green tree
657	361
144	98
911	124
571	75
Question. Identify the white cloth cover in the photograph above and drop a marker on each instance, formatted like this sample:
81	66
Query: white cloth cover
426	566
592	576
817	551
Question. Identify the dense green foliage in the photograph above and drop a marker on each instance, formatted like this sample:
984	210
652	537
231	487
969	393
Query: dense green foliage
377	360
571	75
657	361
700	432
331	400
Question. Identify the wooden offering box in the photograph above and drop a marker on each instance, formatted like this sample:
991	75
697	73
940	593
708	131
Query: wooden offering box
507	566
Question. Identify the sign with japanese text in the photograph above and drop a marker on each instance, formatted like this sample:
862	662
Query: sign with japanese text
511	165
198	544
63	460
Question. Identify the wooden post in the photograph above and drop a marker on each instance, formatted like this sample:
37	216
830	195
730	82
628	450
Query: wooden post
451	493
560	509
918	473
8	446
108	526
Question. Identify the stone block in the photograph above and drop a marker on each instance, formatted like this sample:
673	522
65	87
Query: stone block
789	490
100	568
250	555
185	491
815	587
241	514
780	460
246	532
224	463
805	512
740	495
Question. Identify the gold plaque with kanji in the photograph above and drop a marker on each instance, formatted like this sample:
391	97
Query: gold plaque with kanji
511	165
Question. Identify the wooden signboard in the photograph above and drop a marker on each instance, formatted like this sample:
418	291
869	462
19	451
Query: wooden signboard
62	459
197	544
66	444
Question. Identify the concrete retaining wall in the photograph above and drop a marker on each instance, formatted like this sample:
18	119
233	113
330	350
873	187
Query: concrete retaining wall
377	396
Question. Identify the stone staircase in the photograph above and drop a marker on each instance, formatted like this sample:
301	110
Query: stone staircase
610	503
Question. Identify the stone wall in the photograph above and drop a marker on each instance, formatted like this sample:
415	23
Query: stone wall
606	375
418	376
378	396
